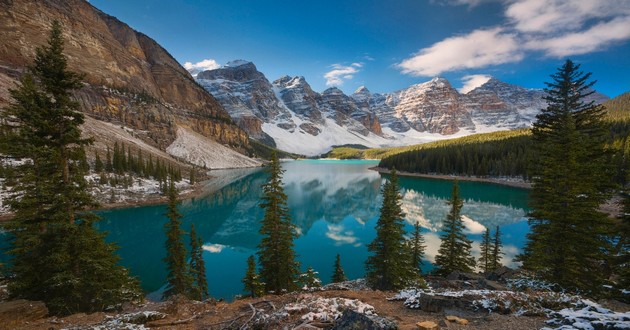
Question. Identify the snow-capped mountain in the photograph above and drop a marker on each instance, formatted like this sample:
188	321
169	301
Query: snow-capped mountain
288	114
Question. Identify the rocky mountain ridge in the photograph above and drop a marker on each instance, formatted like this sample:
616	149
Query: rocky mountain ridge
129	79
287	113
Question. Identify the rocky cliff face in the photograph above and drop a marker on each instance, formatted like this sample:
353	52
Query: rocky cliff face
289	108
130	79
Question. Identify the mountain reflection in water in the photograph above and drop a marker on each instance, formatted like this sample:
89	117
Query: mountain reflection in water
334	205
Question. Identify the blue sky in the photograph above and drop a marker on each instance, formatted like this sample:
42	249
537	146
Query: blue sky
389	45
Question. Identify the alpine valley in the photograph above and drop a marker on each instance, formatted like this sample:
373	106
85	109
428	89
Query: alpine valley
289	115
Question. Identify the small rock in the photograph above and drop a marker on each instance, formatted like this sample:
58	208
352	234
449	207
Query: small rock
427	325
458	320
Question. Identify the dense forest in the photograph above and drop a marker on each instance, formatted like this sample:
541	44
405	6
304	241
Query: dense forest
501	153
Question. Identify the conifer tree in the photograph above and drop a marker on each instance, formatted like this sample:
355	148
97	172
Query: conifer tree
198	265
278	266
495	256
251	281
58	256
98	164
389	265
621	252
454	252
338	274
108	162
486	252
178	279
310	280
416	247
571	178
192	175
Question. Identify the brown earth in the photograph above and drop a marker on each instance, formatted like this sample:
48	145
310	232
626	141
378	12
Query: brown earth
221	315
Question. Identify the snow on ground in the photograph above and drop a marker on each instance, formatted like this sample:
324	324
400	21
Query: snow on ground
327	309
565	311
301	142
139	191
202	151
588	315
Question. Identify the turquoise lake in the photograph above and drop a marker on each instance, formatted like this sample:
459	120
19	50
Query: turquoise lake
335	206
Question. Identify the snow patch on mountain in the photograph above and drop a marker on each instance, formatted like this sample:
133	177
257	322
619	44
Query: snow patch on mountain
300	142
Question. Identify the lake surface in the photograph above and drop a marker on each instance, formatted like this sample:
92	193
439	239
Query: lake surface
334	204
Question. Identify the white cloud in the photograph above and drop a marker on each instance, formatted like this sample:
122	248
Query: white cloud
593	39
551	16
339	73
471	226
213	248
557	28
337	234
478	49
473	81
195	68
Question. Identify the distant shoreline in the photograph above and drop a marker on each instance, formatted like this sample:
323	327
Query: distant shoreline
499	181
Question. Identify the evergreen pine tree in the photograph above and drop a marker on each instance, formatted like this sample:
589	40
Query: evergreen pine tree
57	255
251	281
338	274
117	162
278	267
198	265
454	251
571	178
495	256
416	247
178	279
123	159
310	280
98	164
108	162
621	251
486	252
192	178
389	265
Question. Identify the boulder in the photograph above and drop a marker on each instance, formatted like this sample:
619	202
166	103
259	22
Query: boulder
356	321
427	325
491	285
501	274
437	304
457	275
16	312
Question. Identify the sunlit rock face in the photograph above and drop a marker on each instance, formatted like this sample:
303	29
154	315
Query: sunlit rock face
130	80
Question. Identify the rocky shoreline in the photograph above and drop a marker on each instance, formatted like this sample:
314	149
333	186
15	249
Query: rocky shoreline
510	182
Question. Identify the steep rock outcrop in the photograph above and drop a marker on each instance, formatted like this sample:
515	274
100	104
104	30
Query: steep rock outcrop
130	79
248	97
433	107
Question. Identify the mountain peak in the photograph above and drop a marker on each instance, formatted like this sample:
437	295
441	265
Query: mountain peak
362	90
290	82
236	63
440	82
332	91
